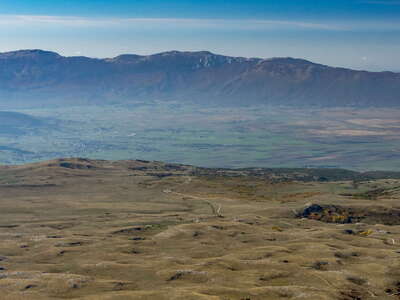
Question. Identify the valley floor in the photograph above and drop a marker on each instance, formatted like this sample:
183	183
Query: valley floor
234	137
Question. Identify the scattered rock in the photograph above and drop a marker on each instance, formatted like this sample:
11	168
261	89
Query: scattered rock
30	286
320	265
129	230
346	215
119	286
394	290
351	295
356	280
197	233
217	227
137	239
182	273
177	276
76	283
329	214
54	237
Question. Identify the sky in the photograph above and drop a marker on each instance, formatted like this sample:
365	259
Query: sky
359	34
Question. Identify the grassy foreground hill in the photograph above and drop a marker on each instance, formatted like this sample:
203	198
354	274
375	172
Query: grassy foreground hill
86	229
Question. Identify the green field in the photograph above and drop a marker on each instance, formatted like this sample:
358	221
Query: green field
212	137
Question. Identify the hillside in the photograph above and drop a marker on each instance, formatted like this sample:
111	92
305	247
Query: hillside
38	77
14	123
91	229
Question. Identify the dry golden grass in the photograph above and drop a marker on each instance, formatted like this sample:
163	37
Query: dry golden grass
111	230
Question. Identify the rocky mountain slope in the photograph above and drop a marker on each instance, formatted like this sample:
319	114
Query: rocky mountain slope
37	76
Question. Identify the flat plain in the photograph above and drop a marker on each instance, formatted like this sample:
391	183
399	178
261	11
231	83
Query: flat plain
234	137
92	229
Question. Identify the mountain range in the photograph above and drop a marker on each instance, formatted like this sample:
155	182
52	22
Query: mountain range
42	77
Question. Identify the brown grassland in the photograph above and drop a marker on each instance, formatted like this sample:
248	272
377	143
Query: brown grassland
80	229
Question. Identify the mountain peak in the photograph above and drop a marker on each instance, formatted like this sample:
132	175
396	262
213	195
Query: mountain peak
29	53
185	53
290	60
125	58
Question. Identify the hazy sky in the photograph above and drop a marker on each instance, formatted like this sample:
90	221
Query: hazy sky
362	34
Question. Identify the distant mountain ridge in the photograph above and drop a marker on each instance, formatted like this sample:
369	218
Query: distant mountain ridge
37	76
